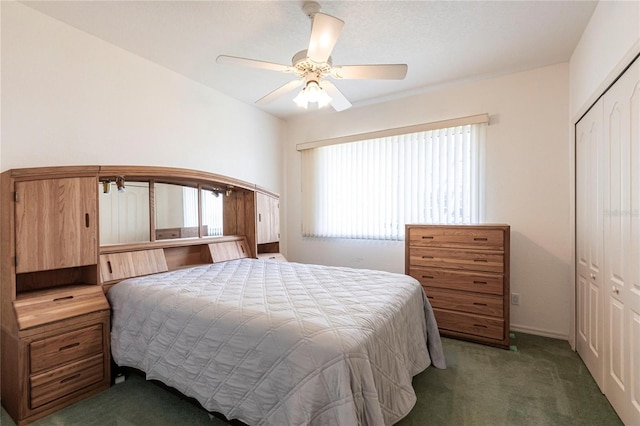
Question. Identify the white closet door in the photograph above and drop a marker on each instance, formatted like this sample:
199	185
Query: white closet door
621	236
589	242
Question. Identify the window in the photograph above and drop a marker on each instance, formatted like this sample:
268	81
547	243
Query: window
371	188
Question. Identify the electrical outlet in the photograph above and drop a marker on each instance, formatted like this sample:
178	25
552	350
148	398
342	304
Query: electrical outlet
515	299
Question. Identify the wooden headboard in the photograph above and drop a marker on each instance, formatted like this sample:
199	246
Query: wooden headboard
66	259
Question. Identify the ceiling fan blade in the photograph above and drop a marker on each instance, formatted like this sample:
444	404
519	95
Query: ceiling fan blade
325	31
338	101
252	63
279	92
382	72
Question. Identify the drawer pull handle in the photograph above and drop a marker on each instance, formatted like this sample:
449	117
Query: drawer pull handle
429	297
427	237
427	257
479	304
480	239
479	325
73	345
58	299
70	378
480	282
109	266
480	260
427	277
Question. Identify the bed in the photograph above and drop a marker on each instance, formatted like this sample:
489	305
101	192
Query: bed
276	343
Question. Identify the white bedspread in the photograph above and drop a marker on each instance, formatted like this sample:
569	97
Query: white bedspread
280	343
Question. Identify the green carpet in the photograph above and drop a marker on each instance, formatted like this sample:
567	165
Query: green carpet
542	383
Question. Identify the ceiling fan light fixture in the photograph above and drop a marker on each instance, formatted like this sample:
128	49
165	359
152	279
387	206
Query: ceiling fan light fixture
312	92
301	100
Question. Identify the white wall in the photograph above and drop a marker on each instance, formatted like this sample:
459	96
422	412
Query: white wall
526	183
610	41
70	98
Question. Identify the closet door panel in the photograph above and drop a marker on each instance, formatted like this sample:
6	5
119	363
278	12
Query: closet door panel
621	121
634	275
589	241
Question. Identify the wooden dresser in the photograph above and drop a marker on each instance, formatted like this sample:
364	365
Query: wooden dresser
464	271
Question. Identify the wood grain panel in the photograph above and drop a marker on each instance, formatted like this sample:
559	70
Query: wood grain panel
63	348
482	304
278	257
179	257
268	219
475	325
451	236
56	223
13	369
41	307
7	252
459	280
41	280
229	250
118	266
471	260
48	386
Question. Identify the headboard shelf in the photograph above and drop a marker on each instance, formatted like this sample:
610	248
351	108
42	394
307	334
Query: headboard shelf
144	260
118	248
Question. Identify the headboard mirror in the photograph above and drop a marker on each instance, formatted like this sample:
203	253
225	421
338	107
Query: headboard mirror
125	214
176	210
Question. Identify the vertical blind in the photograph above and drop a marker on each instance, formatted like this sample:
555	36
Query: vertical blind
370	189
211	210
189	206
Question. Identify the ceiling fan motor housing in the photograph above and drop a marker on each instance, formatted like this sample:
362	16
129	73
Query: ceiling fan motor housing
303	65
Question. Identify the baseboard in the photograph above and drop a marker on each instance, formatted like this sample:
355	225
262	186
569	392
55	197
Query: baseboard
539	332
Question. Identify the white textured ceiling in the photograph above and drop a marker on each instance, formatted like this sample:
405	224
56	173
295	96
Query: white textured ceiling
443	42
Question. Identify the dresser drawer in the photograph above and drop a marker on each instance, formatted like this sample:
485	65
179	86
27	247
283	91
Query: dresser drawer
456	237
54	384
457	259
475	325
63	348
458	280
466	302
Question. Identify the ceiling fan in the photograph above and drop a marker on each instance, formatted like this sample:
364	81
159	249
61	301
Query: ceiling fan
313	66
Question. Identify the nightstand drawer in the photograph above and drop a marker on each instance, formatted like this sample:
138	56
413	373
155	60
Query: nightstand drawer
54	384
278	257
482	261
466	302
476	325
61	349
458	280
35	308
457	237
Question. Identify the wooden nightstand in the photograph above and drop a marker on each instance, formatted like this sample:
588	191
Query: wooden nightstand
55	316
